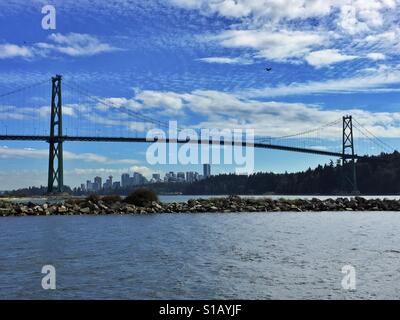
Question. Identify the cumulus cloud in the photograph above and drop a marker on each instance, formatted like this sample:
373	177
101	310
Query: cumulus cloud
362	16
284	9
169	101
373	79
71	44
280	31
376	56
226	60
290	118
280	45
326	57
11	112
72	177
12	153
241	111
354	15
76	44
8	50
105	104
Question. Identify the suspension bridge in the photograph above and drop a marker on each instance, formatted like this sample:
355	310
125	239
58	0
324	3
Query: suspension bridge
83	118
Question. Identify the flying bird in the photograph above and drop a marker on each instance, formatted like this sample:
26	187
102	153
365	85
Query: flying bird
268	69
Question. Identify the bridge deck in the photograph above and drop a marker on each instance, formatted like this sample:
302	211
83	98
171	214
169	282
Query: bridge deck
199	141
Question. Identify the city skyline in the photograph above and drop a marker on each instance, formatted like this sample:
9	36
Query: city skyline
137	179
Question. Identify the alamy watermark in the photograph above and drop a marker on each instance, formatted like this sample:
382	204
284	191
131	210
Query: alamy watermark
349	280
226	146
49	280
49	20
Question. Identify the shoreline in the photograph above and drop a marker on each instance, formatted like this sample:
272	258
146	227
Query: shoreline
231	204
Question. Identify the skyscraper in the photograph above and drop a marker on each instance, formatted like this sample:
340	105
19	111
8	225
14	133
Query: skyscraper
190	176
88	185
97	184
116	185
156	177
180	177
206	170
137	179
108	183
125	182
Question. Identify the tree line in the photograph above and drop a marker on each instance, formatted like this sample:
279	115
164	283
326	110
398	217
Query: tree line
376	175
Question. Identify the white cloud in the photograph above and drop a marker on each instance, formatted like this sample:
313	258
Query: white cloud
170	101
349	22
373	79
12	51
353	15
283	9
358	16
30	113
235	111
72	177
326	57
385	37
129	124
376	56
290	118
71	44
226	60
280	45
385	42
12	153
76	44
106	103
279	31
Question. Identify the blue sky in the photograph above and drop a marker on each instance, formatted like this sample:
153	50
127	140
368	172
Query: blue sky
200	63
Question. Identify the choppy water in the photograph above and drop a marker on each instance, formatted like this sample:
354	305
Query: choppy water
202	256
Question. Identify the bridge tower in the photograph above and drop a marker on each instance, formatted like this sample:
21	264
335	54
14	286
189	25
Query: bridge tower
56	172
349	176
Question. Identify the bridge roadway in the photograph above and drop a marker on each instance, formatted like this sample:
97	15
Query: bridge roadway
199	141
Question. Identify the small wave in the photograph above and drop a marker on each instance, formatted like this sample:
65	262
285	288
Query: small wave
393	251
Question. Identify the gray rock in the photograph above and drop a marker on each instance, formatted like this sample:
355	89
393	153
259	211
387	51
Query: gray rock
85	210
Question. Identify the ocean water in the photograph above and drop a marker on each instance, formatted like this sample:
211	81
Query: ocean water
202	256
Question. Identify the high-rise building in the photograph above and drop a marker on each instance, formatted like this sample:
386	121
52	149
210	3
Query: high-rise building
125	182
190	176
83	187
89	185
116	185
206	170
137	178
97	184
156	177
170	177
180	177
108	183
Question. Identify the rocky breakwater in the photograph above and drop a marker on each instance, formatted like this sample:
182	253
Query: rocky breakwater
224	205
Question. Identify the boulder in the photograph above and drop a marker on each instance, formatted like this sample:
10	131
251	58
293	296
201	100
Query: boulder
85	210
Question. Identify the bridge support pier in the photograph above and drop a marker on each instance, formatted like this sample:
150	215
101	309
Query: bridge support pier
349	174
56	172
